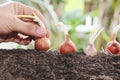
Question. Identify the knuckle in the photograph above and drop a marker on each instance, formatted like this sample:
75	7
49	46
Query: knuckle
35	10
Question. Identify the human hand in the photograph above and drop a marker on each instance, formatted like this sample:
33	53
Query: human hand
11	26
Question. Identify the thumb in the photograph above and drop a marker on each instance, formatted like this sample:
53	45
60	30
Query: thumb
29	28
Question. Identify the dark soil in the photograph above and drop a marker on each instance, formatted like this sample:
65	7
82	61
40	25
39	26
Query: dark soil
34	65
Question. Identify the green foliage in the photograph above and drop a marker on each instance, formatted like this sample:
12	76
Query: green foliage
93	13
71	5
105	37
75	20
115	4
118	37
56	2
80	41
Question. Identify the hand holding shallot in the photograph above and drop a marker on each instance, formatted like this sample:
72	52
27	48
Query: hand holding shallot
41	43
67	46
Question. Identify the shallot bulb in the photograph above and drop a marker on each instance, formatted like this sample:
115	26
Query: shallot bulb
113	47
41	43
67	46
91	50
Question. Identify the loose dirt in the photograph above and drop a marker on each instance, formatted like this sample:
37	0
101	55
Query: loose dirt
19	64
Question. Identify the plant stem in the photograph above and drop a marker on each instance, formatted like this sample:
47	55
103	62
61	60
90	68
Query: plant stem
95	34
115	31
25	16
32	17
67	38
39	21
113	37
64	28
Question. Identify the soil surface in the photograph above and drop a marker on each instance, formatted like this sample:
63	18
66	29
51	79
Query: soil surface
33	65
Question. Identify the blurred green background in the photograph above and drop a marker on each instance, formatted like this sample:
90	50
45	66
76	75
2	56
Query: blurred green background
79	16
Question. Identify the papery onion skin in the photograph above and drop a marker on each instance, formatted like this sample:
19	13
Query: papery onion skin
113	47
67	46
42	44
91	50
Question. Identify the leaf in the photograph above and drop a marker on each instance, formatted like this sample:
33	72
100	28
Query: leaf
105	37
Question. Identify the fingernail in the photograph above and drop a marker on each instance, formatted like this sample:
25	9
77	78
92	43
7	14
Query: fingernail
48	34
41	32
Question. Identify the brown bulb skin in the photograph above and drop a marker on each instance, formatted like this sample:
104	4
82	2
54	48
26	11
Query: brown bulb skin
113	47
42	44
67	46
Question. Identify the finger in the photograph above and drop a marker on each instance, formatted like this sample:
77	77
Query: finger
9	39
8	35
30	29
48	33
23	41
13	39
27	20
39	15
1	40
26	10
18	39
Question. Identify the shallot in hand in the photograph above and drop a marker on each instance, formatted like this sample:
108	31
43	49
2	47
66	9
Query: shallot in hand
41	43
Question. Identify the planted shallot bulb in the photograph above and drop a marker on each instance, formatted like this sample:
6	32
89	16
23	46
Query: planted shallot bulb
67	46
41	43
91	50
113	47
